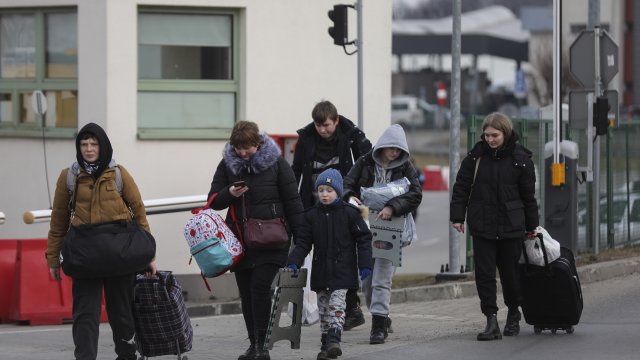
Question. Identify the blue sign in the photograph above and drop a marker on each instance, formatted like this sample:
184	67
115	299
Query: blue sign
520	87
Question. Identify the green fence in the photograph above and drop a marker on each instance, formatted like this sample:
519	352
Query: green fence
619	178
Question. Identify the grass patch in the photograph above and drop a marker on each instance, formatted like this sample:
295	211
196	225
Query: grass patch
585	258
408	280
401	281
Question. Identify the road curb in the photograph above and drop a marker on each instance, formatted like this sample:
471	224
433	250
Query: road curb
452	290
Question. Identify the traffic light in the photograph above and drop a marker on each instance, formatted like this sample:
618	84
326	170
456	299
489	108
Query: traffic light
601	115
339	31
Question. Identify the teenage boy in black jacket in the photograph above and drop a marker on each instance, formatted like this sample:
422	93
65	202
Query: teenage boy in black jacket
330	141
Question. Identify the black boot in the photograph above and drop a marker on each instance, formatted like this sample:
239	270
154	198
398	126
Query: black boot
261	352
378	329
250	353
492	331
353	318
389	328
322	355
333	343
512	327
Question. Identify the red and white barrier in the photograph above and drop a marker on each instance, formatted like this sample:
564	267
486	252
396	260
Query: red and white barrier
436	178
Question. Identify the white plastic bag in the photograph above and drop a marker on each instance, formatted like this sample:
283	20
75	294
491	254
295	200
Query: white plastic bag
376	197
410	233
310	313
534	250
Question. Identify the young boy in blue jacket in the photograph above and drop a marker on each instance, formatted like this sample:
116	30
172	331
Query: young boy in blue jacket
341	243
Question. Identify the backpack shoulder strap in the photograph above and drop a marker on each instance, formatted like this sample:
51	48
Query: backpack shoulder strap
118	179
72	179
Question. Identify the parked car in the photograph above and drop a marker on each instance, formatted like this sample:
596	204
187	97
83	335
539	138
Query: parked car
410	111
621	216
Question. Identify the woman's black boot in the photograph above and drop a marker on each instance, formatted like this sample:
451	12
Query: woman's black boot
512	327
492	331
250	353
261	352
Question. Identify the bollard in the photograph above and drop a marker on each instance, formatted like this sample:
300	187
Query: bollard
288	289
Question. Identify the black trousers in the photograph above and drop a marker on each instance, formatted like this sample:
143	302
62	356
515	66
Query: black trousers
254	286
87	301
352	301
503	254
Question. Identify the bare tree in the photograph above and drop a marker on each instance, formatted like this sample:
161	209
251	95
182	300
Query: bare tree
540	78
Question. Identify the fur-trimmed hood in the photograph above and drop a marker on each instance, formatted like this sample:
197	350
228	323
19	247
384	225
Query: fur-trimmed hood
264	158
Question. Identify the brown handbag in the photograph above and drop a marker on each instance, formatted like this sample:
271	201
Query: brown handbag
264	234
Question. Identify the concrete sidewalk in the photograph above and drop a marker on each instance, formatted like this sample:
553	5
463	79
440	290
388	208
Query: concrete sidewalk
451	290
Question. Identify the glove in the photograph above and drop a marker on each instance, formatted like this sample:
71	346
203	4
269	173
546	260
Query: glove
293	267
364	273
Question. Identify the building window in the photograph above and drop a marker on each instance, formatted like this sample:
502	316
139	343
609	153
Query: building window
187	73
38	51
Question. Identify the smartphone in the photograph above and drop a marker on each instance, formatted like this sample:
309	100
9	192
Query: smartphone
240	184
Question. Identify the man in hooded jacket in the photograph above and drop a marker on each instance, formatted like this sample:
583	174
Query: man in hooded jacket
97	201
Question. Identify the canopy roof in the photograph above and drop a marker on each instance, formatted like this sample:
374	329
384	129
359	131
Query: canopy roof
493	30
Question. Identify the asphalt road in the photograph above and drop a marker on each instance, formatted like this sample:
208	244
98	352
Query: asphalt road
436	330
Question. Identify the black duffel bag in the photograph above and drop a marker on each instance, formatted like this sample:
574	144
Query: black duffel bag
106	250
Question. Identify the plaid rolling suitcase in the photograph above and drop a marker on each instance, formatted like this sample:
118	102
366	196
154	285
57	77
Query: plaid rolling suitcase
552	296
161	320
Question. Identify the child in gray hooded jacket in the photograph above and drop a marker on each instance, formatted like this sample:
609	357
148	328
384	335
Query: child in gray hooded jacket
386	162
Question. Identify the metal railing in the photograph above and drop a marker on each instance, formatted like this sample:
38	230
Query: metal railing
2	217
153	206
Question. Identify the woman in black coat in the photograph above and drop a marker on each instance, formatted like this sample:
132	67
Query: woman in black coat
269	192
495	191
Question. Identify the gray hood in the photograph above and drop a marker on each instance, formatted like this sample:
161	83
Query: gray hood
392	137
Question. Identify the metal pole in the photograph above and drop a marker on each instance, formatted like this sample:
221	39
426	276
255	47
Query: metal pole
454	129
594	23
360	50
557	106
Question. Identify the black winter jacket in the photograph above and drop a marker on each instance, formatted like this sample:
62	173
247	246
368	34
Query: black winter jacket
341	244
272	193
352	143
363	175
501	202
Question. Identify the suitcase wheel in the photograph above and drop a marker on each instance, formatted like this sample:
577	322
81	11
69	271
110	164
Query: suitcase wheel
554	330
537	329
569	330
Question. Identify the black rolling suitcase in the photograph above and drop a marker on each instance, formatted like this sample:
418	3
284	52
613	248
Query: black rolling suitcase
161	320
552	296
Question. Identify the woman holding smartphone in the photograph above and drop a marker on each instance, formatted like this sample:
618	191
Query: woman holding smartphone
253	174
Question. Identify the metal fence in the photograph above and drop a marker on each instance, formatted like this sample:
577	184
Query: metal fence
619	177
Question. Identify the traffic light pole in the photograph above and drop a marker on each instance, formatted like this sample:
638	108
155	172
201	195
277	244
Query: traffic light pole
594	23
359	47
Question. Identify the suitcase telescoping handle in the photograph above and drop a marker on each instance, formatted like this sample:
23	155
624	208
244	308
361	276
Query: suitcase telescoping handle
544	251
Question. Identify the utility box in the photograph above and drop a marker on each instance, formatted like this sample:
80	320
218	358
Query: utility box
561	202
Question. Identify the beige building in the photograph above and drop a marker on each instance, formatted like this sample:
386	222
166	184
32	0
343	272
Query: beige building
167	79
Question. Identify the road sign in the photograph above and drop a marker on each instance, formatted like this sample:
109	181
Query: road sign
39	102
578	107
520	87
582	58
